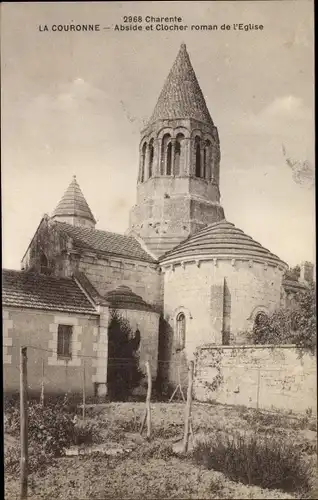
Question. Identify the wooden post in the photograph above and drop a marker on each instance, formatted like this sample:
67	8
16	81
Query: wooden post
188	409
23	424
84	393
258	386
148	400
143	422
42	385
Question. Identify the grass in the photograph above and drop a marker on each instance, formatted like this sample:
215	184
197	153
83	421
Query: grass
151	469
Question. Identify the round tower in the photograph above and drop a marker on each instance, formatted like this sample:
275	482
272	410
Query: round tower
179	169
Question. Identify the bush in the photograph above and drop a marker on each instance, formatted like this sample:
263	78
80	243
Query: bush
123	373
51	429
292	325
254	460
86	433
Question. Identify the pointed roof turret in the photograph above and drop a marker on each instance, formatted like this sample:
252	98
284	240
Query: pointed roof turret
73	204
181	96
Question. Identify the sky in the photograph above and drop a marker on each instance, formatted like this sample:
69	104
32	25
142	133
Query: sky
73	103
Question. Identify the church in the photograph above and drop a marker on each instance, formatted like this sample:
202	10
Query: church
183	275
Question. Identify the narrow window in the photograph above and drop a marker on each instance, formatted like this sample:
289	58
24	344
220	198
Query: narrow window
261	319
64	341
204	163
44	267
151	152
181	331
169	158
197	158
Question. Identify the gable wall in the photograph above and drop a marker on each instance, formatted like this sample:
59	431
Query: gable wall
109	273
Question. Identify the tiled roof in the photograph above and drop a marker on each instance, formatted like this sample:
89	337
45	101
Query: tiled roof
37	291
124	298
222	239
181	96
73	203
105	242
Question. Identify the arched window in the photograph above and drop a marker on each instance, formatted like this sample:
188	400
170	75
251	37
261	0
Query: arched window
260	319
197	157
44	266
163	158
181	331
151	153
177	154
143	160
169	158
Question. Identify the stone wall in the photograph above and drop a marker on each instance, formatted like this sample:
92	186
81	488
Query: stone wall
28	327
269	377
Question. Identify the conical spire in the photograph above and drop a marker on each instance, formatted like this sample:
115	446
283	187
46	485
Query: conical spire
181	96
74	206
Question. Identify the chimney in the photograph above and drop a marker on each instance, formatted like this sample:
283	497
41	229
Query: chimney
306	272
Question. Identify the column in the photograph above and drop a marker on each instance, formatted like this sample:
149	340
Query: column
101	348
173	149
202	170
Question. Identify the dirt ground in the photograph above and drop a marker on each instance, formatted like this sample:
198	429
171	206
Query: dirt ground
148	469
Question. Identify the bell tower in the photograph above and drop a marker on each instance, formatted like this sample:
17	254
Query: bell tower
179	168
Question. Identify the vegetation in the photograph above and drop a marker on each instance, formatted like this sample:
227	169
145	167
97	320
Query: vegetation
292	325
252	459
155	469
51	429
123	374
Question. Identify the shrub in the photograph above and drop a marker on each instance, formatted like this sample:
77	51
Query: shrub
292	325
123	373
86	433
259	460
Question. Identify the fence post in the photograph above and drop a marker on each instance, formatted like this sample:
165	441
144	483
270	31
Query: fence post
42	386
23	424
84	393
258	386
188	408
148	400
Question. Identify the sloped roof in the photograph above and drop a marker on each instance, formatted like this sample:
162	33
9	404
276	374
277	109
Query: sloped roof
104	241
181	96
73	203
222	239
36	291
123	297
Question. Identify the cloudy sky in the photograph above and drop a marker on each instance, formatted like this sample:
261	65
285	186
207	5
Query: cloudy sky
74	103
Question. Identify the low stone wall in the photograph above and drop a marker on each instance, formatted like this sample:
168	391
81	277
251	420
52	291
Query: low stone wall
268	377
